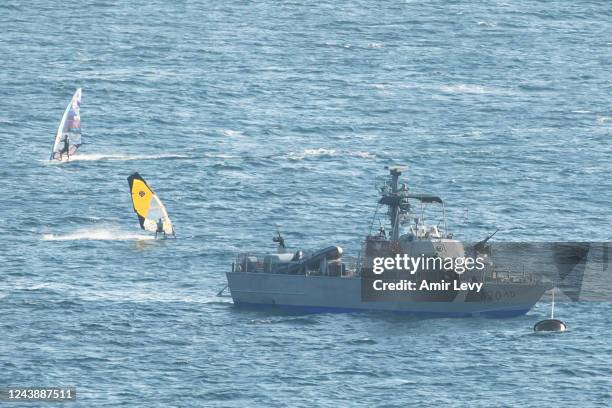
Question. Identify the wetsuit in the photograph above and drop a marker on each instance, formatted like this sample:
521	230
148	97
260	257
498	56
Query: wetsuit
66	147
160	227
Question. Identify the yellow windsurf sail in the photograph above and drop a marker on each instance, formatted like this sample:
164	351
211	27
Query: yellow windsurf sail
151	212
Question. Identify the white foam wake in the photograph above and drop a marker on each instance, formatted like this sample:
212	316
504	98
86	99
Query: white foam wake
313	153
467	89
98	234
117	157
232	133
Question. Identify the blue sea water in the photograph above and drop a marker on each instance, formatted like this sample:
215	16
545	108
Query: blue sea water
245	116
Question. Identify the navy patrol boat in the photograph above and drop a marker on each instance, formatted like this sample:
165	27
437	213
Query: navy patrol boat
327	281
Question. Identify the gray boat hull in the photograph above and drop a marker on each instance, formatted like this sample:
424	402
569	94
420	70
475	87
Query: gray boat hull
315	294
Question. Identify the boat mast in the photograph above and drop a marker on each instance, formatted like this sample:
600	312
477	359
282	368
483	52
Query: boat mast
394	208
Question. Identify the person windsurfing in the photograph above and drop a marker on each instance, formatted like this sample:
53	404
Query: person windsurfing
151	212
160	228
68	136
66	148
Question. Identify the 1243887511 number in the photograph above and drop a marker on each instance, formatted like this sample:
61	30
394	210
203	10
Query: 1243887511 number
38	394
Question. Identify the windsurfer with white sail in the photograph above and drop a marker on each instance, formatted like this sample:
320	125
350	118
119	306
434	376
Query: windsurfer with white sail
68	136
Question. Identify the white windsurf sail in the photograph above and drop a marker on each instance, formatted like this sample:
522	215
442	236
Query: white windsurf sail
151	212
68	137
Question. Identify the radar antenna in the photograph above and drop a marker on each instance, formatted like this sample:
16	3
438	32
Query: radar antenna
395	199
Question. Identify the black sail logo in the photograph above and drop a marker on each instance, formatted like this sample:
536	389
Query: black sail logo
141	193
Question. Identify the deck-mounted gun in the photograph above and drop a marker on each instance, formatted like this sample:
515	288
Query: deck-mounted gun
481	246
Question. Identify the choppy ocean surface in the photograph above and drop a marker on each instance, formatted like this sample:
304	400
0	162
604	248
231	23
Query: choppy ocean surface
248	115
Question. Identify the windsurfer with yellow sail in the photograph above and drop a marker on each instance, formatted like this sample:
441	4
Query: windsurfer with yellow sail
151	212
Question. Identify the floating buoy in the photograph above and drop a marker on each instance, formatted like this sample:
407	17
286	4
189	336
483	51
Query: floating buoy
552	324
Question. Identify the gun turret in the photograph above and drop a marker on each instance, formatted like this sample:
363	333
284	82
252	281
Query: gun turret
481	246
279	239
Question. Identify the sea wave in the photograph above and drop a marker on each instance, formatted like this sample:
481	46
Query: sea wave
603	119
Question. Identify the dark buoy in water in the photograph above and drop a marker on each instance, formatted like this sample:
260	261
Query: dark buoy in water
552	324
